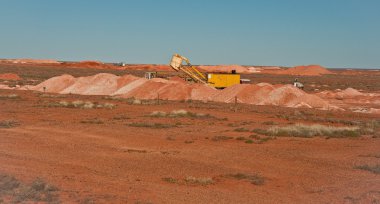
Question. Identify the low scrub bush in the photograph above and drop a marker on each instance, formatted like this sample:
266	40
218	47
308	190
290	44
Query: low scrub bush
300	130
82	104
269	123
9	123
178	113
10	96
92	121
254	179
36	192
52	96
221	138
152	125
199	181
241	129
170	180
374	169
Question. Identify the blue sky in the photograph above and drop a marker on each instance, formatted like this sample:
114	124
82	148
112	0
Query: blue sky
333	33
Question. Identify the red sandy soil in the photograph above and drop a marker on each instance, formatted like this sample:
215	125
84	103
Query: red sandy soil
29	61
9	76
309	70
112	162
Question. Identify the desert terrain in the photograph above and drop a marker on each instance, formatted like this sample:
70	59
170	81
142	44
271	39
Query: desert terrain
92	132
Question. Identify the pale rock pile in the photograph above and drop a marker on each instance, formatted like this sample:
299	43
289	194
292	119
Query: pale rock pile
29	61
130	86
309	70
228	68
267	94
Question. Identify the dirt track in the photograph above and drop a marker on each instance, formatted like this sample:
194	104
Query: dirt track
96	155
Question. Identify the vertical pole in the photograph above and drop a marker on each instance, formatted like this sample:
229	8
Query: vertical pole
235	103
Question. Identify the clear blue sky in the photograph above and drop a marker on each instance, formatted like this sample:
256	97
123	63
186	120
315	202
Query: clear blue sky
333	33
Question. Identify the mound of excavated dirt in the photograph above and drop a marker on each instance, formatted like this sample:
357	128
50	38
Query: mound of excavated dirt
310	70
10	76
267	94
347	93
227	68
55	84
100	84
30	61
130	86
90	63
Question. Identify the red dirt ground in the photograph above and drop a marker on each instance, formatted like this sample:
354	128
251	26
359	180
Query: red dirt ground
112	162
98	155
9	76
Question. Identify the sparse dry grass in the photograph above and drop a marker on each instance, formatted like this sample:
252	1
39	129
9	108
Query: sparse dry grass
152	125
300	130
255	179
121	117
199	181
45	95
81	104
170	180
179	113
241	129
374	169
9	123
10	96
190	180
36	192
92	121
221	138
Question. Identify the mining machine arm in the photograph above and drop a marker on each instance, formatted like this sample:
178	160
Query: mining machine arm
181	63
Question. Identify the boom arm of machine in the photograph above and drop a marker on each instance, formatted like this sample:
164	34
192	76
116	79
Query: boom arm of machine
181	63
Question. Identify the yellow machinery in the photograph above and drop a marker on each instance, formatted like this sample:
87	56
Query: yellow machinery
217	80
222	80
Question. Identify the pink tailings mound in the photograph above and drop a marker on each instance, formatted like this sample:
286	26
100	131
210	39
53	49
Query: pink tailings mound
10	76
309	70
30	61
99	84
267	94
55	84
225	68
130	86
